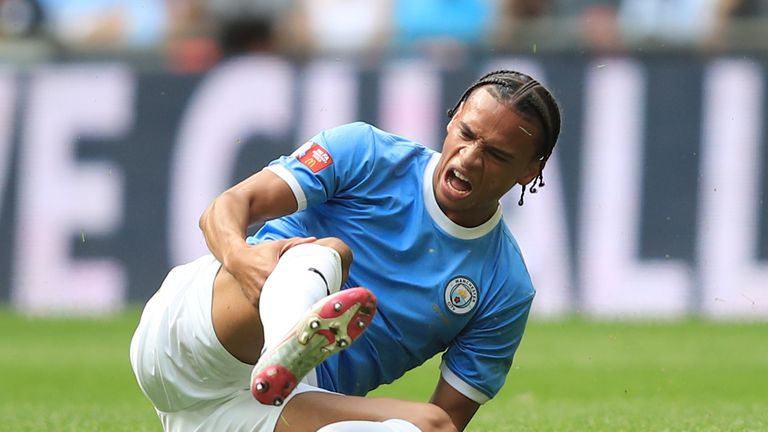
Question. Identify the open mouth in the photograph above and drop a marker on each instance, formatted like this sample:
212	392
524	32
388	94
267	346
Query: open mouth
458	182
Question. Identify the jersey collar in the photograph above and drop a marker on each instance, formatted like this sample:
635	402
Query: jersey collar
443	221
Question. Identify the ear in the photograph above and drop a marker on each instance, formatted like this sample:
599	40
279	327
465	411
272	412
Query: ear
531	172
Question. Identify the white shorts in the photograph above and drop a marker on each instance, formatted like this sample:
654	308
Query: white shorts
193	382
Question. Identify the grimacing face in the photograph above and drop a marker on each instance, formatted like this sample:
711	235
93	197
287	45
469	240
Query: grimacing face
488	149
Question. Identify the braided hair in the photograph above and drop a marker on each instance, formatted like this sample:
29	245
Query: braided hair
529	98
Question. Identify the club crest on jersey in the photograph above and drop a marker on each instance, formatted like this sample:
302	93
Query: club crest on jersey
313	156
460	295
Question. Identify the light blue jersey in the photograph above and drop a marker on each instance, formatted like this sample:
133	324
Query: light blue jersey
441	287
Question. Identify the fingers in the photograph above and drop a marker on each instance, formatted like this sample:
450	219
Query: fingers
255	263
295	241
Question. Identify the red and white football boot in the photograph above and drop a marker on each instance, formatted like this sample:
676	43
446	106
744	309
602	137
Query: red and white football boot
329	326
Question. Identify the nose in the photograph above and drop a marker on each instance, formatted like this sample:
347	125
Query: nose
470	155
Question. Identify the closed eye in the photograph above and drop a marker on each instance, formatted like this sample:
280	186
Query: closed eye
498	155
466	133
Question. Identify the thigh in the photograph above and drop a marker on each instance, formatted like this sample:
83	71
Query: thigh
175	355
235	320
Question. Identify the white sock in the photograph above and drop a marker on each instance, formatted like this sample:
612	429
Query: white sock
393	425
305	274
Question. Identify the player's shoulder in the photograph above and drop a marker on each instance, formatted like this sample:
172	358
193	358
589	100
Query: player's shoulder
511	264
359	130
361	134
356	132
508	240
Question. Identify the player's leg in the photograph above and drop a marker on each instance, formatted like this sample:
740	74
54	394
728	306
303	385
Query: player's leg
177	359
305	274
220	373
328	327
311	411
392	425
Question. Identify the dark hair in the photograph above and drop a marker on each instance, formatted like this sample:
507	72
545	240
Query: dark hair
529	98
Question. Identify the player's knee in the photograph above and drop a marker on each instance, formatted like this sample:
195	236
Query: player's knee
435	419
342	248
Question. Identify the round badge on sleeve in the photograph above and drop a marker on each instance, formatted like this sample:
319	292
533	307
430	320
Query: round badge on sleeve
460	295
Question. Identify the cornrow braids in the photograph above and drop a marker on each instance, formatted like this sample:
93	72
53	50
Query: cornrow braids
529	98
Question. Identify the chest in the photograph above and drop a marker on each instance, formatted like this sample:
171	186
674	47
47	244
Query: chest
426	286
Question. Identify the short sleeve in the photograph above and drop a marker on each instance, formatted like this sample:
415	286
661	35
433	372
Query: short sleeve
328	164
478	361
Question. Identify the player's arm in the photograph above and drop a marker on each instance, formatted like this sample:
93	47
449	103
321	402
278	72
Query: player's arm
489	345
258	198
460	408
224	223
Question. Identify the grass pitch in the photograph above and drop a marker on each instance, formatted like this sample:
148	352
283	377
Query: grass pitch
571	375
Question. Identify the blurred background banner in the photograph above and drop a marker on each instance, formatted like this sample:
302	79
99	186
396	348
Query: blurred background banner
120	121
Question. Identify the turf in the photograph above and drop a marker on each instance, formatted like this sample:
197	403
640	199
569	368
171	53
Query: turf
570	375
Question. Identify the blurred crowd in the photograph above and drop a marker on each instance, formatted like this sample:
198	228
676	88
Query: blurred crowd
194	34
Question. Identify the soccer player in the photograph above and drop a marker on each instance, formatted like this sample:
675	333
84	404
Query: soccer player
435	270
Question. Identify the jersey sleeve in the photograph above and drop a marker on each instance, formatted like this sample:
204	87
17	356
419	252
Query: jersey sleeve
327	165
478	361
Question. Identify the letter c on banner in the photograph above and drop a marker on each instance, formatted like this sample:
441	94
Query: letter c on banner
240	98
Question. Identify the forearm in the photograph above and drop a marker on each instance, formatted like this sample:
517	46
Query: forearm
224	224
460	408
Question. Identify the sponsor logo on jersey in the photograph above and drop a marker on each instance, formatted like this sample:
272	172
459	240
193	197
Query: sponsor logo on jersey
313	156
460	295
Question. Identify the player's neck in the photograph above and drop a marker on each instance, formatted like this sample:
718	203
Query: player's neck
470	218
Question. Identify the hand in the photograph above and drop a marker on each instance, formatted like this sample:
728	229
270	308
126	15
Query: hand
252	264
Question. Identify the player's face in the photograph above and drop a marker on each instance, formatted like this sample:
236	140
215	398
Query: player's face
489	149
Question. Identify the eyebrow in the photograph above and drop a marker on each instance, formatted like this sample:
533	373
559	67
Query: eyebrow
465	129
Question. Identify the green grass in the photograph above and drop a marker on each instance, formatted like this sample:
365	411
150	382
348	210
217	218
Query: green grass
571	375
